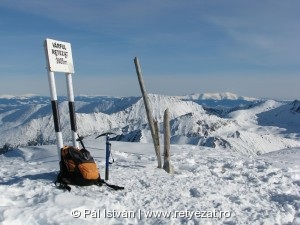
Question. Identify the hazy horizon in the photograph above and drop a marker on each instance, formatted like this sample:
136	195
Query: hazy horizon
249	48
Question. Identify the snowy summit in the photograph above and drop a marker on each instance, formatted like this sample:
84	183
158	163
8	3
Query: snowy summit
236	161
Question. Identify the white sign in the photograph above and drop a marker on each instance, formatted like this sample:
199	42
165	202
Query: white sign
59	56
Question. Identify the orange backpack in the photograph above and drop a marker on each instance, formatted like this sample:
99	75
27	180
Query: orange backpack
78	167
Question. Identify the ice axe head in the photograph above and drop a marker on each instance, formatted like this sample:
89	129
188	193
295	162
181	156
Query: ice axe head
104	134
80	138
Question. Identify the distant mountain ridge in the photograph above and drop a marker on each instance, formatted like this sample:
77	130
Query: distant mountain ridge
225	120
217	96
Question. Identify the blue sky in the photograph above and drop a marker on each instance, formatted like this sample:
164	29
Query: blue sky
250	48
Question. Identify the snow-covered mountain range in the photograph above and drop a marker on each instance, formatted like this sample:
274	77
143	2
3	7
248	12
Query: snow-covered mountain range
211	176
242	124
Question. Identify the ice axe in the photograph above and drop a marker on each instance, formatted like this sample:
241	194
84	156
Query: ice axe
80	138
108	152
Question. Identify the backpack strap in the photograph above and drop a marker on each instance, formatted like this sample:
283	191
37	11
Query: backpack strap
61	184
115	187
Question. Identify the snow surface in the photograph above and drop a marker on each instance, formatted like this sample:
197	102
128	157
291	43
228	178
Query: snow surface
232	155
253	190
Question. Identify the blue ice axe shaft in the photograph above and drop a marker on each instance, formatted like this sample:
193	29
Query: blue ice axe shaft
107	157
107	152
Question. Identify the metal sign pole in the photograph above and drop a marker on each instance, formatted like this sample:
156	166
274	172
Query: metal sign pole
55	112
72	109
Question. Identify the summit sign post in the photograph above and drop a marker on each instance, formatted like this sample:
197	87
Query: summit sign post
59	56
59	59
